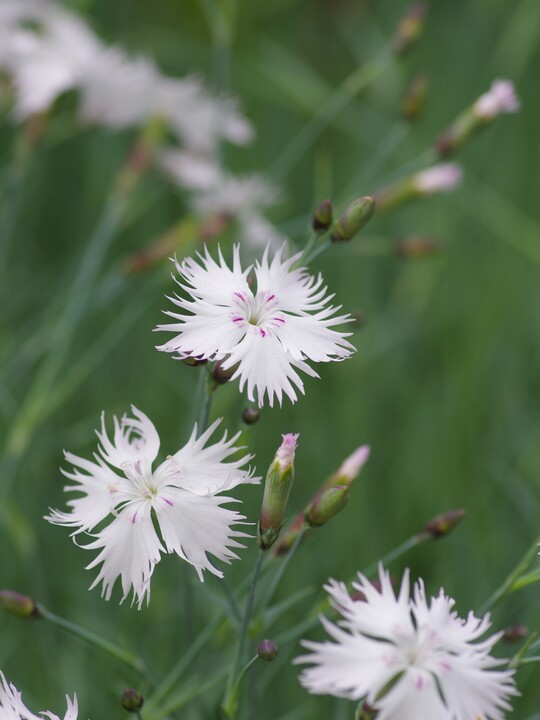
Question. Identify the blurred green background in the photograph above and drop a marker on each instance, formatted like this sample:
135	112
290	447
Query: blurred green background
444	386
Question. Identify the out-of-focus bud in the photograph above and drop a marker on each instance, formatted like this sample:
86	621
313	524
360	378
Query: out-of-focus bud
293	531
500	99
322	217
341	479
353	219
436	179
327	504
222	375
442	525
19	605
279	480
251	415
267	650
515	633
359	318
417	246
365	712
132	701
409	29
414	101
350	468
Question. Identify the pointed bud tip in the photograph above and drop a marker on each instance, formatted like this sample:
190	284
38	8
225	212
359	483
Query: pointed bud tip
351	467
267	650
286	451
132	700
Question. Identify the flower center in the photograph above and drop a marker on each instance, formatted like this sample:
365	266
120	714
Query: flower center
259	311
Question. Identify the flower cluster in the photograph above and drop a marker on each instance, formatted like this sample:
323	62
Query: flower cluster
408	658
266	334
13	708
120	488
47	51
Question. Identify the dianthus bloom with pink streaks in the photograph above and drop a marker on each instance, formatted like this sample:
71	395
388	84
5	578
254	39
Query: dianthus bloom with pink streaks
179	497
13	708
408	658
266	333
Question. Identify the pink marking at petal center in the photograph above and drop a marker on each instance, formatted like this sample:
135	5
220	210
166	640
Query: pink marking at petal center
169	502
419	682
134	518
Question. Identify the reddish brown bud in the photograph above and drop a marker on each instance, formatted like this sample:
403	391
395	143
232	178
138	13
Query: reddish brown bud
515	633
417	246
322	217
19	605
267	650
132	700
251	415
443	524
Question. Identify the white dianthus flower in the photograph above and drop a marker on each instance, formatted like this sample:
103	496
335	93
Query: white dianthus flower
13	708
120	487
267	333
408	658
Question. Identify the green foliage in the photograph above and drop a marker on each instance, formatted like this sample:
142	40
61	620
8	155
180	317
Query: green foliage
444	385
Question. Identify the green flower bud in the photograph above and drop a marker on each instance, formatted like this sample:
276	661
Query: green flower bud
322	217
327	504
279	480
267	650
132	700
21	606
353	219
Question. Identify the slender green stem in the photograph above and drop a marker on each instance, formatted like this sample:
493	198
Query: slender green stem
229	703
395	553
278	577
184	696
182	665
124	656
328	112
318	250
243	672
506	587
206	403
231	600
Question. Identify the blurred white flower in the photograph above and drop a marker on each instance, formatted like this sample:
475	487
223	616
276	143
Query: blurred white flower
119	486
439	178
213	191
266	334
47	51
13	708
410	659
501	98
